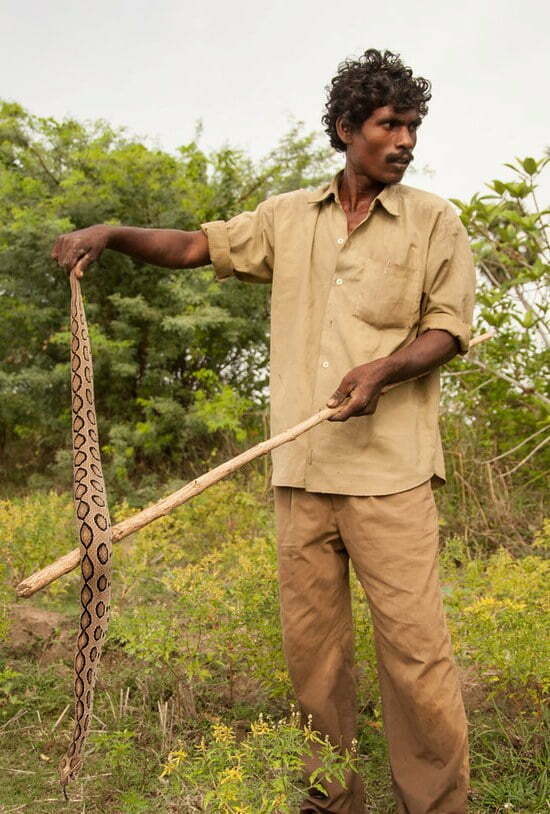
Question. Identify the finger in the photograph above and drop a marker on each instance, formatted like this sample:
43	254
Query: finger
368	408
74	255
341	415
57	251
352	406
343	391
81	265
360	403
64	254
77	254
67	264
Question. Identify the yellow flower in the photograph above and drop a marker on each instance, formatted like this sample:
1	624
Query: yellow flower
223	733
260	727
174	759
231	775
481	604
515	606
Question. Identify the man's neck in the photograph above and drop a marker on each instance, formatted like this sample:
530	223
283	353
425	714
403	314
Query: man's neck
357	191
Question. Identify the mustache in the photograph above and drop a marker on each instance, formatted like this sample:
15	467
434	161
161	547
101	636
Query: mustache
393	157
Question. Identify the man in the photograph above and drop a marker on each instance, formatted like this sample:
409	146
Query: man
374	280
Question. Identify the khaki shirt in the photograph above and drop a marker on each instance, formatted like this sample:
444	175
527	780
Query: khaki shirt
341	300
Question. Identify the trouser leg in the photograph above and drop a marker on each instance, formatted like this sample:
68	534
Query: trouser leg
317	630
393	543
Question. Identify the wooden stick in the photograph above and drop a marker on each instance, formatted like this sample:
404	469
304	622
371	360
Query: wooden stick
70	561
481	338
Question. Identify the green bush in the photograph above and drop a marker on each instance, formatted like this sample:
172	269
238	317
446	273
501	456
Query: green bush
34	530
258	774
499	617
228	511
217	618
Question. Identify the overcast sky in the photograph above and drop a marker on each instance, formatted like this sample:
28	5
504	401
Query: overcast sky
245	67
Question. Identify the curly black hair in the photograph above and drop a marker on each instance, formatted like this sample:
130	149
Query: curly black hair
374	80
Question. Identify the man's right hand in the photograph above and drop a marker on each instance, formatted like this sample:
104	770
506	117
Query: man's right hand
82	247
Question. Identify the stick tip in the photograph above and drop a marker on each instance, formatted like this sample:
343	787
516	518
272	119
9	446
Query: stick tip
23	589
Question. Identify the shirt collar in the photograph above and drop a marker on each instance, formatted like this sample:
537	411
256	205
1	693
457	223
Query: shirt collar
389	198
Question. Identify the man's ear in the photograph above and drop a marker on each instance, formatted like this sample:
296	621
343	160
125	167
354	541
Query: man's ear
344	129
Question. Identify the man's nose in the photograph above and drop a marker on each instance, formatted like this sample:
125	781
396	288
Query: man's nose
405	139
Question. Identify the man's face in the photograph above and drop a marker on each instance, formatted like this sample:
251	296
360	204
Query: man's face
381	149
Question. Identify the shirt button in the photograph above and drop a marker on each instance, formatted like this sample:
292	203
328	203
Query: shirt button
325	364
339	281
340	241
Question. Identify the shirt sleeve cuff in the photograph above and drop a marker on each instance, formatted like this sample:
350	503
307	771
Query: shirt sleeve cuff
218	246
445	322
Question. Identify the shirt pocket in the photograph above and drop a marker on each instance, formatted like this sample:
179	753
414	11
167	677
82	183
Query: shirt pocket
388	294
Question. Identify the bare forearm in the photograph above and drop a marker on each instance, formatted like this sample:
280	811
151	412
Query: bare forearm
427	352
168	248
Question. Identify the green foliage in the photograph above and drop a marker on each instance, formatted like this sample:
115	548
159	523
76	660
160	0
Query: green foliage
22	688
542	538
5	597
219	407
510	755
365	655
34	530
496	420
509	234
116	745
9	697
222	515
223	619
259	774
500	617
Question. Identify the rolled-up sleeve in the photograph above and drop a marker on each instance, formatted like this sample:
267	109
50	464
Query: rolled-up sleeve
243	246
449	293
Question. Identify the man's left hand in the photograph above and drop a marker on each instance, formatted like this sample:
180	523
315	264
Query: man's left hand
359	391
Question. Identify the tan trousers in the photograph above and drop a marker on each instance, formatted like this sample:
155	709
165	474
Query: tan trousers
392	541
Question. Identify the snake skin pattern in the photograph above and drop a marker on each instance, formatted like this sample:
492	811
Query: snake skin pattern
94	530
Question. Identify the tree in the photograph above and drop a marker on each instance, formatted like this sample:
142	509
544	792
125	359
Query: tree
497	421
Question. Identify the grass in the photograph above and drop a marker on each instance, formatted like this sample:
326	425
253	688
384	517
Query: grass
217	660
131	741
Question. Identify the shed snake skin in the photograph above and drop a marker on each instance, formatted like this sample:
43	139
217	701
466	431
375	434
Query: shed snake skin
94	531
